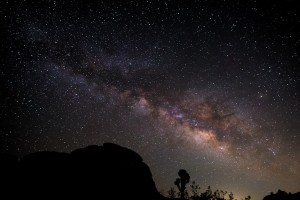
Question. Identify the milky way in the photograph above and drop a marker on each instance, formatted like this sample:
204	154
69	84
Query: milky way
210	87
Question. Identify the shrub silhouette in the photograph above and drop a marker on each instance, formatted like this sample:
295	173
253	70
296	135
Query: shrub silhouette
207	195
195	191
172	193
219	195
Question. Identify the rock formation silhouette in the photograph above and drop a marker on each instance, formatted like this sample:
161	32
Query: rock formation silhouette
282	195
99	172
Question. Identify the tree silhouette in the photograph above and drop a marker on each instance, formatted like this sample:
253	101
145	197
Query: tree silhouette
182	181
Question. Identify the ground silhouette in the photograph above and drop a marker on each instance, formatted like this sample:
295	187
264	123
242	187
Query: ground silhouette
94	172
99	172
282	195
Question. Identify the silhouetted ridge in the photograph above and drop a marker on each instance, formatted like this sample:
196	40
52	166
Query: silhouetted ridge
102	172
282	195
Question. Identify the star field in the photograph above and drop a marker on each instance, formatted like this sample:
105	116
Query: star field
208	86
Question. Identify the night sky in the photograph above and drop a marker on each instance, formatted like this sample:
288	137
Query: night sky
208	86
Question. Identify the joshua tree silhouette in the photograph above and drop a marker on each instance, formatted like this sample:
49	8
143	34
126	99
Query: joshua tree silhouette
182	181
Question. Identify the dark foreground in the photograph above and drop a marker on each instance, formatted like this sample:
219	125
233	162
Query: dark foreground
94	172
